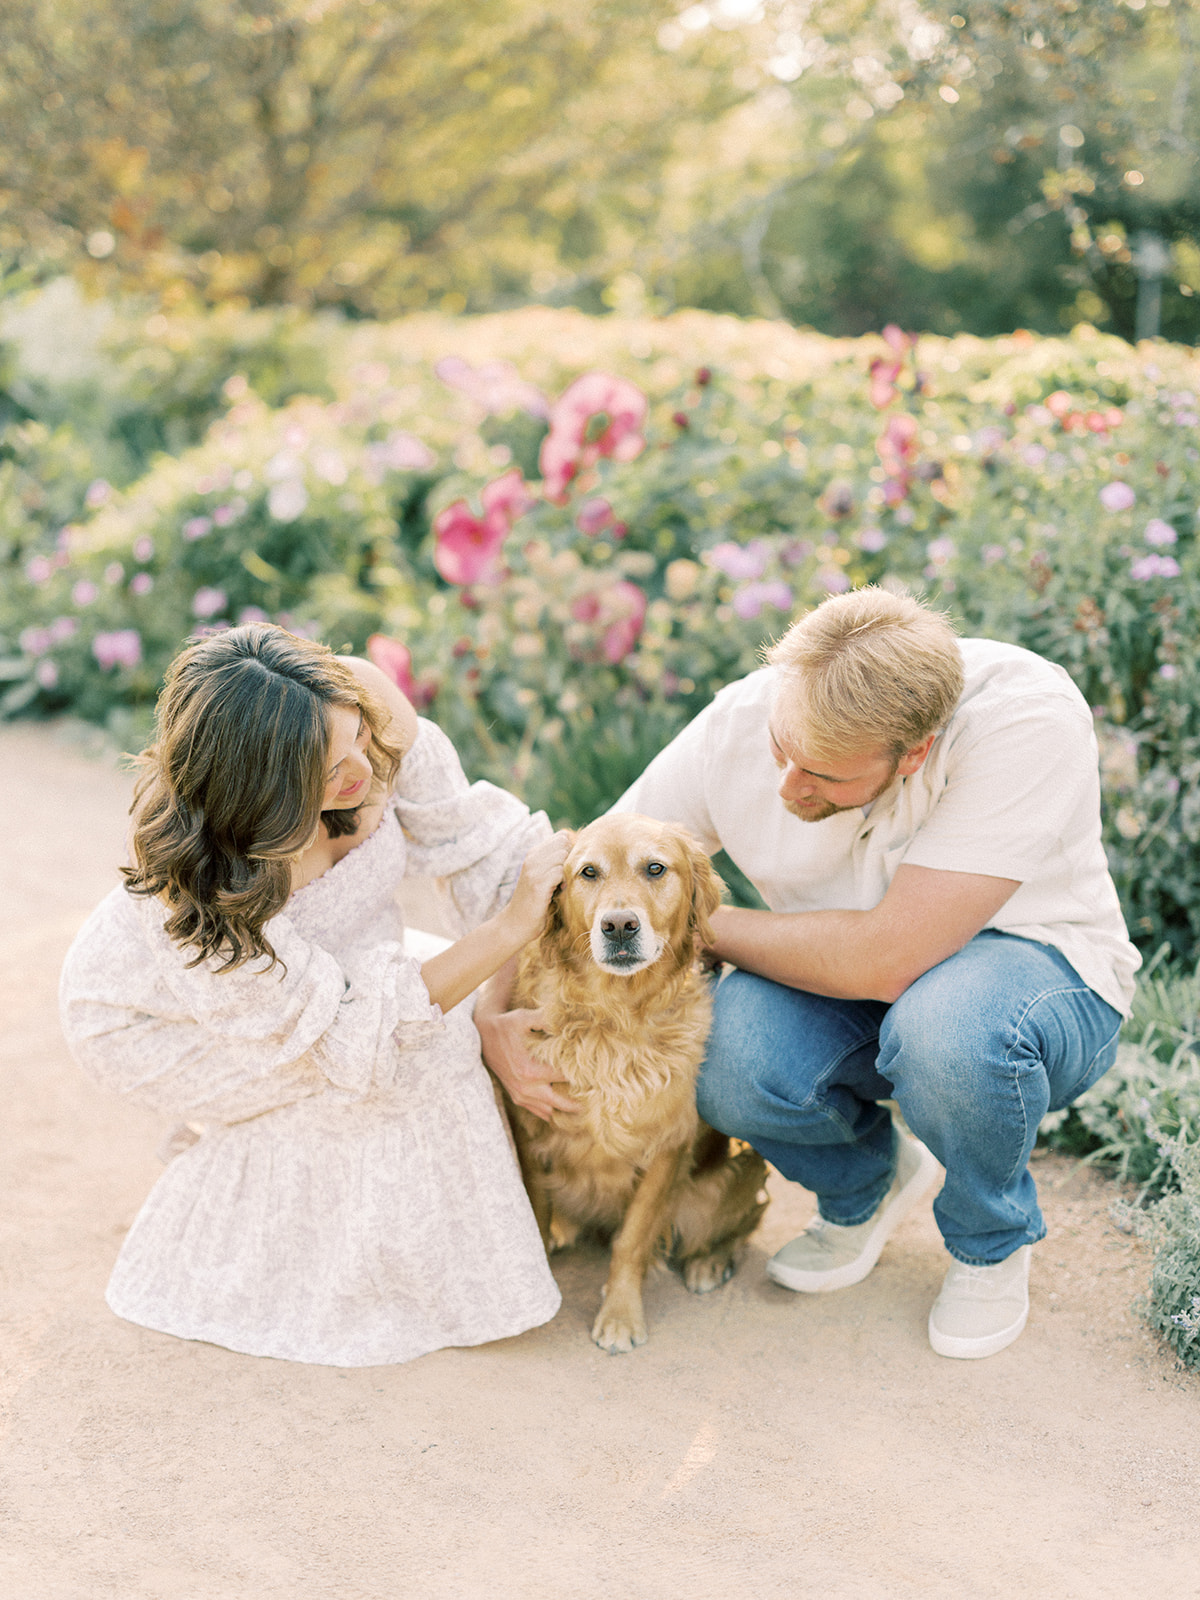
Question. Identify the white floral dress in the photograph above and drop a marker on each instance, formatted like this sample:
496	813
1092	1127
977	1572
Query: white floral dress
353	1199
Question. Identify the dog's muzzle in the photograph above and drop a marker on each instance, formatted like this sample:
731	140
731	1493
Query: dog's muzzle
620	943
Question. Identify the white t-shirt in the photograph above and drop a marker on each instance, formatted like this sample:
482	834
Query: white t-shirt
1010	789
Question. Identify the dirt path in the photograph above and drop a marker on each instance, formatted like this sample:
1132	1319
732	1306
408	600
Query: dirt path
761	1444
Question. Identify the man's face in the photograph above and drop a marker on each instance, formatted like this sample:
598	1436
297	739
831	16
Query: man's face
815	789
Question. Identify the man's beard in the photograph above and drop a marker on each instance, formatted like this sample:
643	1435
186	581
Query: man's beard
826	808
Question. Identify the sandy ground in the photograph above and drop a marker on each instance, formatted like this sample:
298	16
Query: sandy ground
762	1443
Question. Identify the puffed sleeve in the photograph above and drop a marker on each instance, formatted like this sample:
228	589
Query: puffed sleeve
224	1046
472	836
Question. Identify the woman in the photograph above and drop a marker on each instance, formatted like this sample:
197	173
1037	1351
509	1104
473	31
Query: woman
352	1199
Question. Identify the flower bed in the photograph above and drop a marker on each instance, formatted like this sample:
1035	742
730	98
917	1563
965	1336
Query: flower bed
574	530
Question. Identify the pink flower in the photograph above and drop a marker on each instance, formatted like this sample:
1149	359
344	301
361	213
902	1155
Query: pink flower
739	560
114	572
1159	532
98	492
871	539
399	452
467	547
207	602
496	386
84	592
1117	496
141	583
992	553
881	383
143	549
120	649
1168	670
197	527
1153	566
573	443
62	629
35	641
287	499
506	498
594	516
251	614
45	674
618	613
395	659
895	337
749	600
940	551
39	569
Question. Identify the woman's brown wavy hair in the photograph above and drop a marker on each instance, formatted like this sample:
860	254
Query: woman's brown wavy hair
231	788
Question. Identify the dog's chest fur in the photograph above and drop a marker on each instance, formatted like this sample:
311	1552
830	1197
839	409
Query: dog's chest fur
629	1060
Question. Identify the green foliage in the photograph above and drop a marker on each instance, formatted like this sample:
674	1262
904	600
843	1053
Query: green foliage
1172	1226
1044	490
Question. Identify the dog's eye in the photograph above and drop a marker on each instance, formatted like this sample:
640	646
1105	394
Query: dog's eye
587	872
655	869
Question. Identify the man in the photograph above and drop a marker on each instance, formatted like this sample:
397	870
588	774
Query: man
922	816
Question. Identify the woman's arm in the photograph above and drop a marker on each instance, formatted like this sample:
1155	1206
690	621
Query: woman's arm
402	728
454	973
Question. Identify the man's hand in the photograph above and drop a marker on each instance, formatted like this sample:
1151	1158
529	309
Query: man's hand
505	1037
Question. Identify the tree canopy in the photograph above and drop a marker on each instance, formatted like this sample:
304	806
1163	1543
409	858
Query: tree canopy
838	162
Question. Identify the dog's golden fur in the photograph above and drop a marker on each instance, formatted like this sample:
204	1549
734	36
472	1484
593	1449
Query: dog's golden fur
627	1018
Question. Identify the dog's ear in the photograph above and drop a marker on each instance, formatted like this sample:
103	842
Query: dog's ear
707	889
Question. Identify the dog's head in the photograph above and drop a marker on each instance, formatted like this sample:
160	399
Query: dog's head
632	890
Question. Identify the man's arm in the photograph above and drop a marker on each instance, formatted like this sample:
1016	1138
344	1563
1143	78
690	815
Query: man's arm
925	916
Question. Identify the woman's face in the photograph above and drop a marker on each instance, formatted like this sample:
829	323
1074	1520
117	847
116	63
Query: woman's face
348	773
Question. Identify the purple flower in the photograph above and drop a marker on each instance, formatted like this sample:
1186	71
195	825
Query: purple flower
940	551
740	560
84	592
871	540
120	649
197	527
749	600
39	569
1159	532
1034	454
1168	670
989	439
992	553
1154	566
207	602
1117	496
141	583
832	579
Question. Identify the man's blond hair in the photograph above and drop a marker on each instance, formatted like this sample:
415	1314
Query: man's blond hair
866	670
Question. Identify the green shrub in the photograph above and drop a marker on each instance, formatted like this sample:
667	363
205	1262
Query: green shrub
1172	1225
1044	490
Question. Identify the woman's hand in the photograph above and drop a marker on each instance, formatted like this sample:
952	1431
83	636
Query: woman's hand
451	976
540	876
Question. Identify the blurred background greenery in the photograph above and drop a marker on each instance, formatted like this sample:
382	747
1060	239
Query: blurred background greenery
838	163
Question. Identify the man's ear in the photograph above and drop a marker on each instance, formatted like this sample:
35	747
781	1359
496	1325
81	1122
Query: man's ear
913	760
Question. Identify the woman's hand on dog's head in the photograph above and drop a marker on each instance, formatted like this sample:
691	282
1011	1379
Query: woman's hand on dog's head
540	876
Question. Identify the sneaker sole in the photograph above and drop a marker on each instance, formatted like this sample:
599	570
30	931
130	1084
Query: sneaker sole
855	1271
945	1344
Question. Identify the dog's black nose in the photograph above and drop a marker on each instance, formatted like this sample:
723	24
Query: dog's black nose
620	927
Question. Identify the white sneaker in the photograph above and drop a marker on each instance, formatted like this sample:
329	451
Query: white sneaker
829	1256
981	1309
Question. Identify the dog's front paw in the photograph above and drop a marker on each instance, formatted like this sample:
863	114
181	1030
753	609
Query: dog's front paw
619	1329
703	1273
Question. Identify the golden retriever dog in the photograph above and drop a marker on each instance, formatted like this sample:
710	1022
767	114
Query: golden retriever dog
627	1017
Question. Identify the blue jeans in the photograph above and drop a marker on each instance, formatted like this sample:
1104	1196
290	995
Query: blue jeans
975	1053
